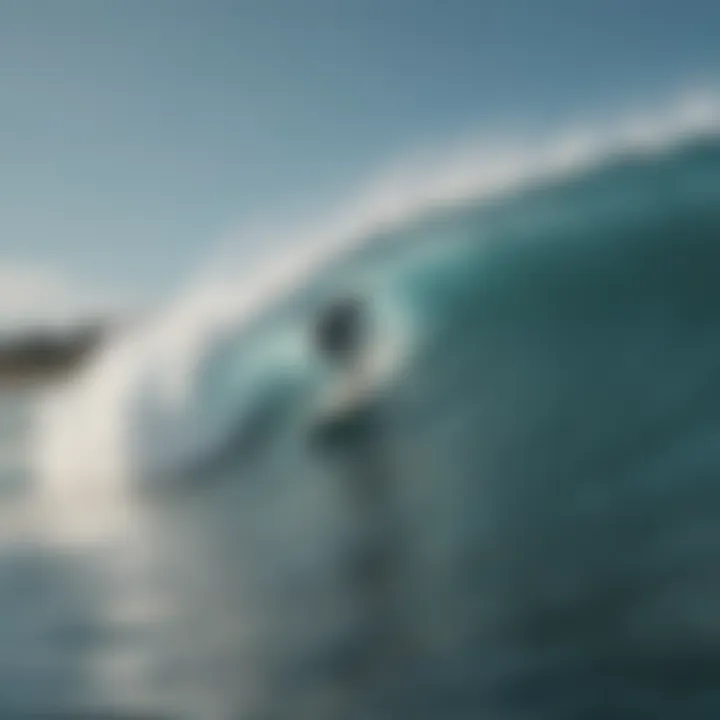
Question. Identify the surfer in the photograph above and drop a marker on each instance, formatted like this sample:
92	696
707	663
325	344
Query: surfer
340	336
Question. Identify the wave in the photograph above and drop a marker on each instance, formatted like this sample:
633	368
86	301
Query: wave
146	383
506	469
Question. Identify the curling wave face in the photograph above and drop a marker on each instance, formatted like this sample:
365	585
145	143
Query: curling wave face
503	500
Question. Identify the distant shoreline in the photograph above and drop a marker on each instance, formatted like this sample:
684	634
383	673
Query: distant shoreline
43	357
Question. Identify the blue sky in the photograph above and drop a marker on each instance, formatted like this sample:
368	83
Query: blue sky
134	134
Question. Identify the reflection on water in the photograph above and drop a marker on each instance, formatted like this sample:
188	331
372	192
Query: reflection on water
75	620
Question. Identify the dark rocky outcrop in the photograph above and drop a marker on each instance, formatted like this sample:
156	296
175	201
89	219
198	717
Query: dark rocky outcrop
43	356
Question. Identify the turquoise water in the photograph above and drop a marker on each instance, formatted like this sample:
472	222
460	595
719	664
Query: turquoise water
506	507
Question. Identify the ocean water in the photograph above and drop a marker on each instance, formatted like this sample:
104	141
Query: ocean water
505	505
